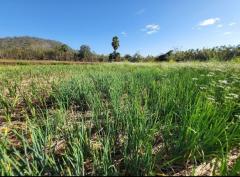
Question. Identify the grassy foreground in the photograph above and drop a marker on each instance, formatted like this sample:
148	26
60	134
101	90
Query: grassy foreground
41	62
118	119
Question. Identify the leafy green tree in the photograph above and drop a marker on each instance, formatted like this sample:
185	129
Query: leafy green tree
63	48
85	52
128	57
137	57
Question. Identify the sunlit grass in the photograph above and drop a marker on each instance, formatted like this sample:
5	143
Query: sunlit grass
117	119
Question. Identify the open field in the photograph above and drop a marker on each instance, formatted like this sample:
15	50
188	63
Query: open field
120	119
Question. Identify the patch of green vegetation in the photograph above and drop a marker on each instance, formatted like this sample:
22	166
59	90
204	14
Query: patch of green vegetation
235	171
116	119
237	60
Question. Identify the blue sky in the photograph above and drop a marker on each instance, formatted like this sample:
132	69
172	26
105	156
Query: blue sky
145	26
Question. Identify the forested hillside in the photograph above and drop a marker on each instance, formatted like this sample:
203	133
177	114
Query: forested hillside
28	43
34	48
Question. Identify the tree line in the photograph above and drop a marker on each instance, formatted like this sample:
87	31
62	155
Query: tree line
85	54
222	53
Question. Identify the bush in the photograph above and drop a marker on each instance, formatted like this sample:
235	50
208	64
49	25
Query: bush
115	56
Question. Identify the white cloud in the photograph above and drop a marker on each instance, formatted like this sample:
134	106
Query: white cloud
141	11
227	33
151	28
210	21
232	24
151	32
124	33
220	26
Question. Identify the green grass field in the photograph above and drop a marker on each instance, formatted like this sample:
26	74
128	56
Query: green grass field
119	119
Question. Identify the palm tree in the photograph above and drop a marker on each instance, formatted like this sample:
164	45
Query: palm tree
115	43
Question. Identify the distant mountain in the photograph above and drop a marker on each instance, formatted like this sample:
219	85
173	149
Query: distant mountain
27	42
32	48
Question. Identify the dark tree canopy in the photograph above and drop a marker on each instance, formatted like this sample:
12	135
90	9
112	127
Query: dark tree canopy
165	57
85	52
115	56
128	57
137	57
115	43
63	48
